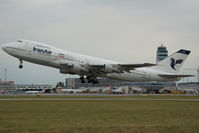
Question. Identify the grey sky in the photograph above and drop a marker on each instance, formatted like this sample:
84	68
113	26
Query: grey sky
121	30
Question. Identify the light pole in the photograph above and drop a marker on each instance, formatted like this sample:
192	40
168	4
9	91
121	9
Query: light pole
5	73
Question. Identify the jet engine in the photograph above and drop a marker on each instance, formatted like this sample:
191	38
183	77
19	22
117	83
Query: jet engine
108	68
77	68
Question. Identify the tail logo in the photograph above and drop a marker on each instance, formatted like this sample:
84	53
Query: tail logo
174	62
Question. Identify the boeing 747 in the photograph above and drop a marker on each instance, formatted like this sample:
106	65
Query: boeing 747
90	68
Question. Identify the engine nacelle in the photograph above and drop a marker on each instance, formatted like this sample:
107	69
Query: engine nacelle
77	68
108	68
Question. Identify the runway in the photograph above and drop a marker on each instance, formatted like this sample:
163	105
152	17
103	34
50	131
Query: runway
96	99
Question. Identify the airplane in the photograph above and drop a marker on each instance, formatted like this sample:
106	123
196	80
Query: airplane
90	68
33	92
118	91
69	90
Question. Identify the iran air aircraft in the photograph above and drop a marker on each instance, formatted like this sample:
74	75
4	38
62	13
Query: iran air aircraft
90	68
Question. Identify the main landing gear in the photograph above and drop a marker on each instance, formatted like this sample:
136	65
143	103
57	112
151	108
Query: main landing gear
92	80
82	79
20	65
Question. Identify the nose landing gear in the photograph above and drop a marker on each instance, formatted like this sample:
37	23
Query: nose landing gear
20	66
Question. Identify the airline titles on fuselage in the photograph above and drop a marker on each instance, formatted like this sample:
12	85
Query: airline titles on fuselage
42	51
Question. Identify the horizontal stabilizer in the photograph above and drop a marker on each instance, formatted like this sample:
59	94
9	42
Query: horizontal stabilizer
175	76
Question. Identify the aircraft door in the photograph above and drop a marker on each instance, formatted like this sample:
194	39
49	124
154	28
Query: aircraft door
55	56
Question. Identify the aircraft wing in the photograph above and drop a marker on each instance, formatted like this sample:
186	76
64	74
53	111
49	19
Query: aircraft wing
175	75
127	67
118	68
66	65
106	68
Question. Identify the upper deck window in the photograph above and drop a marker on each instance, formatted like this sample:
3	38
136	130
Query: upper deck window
19	41
42	46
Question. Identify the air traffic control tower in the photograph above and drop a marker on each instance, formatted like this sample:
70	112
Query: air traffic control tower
162	53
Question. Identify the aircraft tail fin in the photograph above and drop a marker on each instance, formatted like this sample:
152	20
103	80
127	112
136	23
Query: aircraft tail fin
174	62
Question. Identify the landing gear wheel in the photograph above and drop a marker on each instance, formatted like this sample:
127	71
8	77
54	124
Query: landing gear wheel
20	66
82	79
92	80
95	82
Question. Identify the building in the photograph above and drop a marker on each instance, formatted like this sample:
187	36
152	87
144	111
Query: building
7	86
162	53
32	87
189	86
149	86
75	83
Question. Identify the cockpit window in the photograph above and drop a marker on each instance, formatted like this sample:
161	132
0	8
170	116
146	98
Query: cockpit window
19	41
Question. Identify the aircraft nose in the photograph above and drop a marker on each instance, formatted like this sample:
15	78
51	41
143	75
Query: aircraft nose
7	47
4	47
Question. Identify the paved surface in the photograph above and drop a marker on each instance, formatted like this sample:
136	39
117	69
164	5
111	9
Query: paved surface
94	99
91	94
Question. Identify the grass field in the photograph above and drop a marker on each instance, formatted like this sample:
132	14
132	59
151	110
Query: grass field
99	116
107	96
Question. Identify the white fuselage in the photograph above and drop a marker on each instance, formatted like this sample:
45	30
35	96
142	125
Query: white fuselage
43	54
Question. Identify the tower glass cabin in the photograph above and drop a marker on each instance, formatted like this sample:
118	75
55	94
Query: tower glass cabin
162	53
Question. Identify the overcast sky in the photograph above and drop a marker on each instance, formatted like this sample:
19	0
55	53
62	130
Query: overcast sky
122	30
